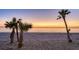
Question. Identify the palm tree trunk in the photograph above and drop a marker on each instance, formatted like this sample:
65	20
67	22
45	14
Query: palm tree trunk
20	44
12	36
17	34
68	34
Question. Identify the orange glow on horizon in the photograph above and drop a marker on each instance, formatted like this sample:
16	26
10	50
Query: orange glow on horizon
56	24
48	24
52	23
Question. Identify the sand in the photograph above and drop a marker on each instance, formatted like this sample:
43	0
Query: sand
42	45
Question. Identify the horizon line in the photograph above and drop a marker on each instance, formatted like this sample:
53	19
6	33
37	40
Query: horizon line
46	27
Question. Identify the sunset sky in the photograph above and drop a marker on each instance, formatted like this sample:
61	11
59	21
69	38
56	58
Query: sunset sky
40	17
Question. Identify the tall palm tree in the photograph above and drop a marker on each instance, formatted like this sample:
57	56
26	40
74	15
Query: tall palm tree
11	25
14	26
22	27
62	14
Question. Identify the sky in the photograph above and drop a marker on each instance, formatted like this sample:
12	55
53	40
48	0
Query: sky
40	17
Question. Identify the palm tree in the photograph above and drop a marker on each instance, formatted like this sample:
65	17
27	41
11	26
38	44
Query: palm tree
14	26
11	25
62	14
22	27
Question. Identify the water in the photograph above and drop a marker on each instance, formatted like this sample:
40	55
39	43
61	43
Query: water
54	30
40	36
4	36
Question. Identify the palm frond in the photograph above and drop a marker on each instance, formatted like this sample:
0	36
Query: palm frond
60	12
7	24
63	13
25	26
68	12
10	24
59	17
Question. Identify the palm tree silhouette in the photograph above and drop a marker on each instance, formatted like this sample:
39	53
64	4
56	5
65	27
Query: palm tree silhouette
62	14
22	27
11	25
17	25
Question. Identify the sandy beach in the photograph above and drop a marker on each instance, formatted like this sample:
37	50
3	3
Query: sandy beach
41	41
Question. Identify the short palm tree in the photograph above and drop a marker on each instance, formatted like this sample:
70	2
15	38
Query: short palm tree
62	14
11	25
22	27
